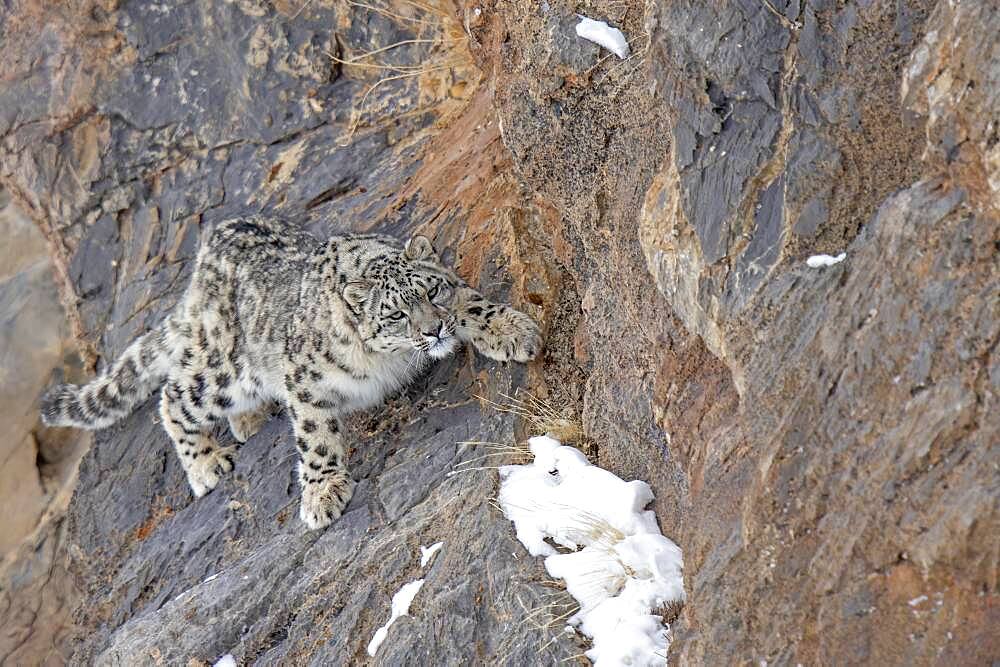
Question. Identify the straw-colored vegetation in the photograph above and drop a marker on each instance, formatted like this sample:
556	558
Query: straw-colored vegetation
445	73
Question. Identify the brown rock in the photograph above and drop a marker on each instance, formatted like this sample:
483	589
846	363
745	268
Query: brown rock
38	470
951	81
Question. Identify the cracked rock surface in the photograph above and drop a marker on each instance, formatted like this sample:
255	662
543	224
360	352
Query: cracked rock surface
822	442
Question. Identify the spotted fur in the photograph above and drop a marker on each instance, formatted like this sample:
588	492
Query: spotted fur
273	316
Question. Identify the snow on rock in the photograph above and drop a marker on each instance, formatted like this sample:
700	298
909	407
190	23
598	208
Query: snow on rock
400	607
816	261
620	568
427	553
225	661
601	33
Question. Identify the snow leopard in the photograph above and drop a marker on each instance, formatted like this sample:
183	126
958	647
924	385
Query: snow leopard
274	317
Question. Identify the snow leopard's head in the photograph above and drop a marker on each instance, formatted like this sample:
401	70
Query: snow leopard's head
402	301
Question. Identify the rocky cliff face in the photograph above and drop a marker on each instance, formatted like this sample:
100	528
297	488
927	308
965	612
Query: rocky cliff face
38	466
822	442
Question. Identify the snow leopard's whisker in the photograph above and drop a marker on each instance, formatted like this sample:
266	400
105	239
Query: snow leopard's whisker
413	364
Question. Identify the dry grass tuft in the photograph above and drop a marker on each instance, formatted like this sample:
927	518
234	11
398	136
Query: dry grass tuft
541	416
493	459
446	73
548	618
582	527
670	612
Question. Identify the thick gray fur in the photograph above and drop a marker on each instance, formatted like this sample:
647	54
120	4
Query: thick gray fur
273	315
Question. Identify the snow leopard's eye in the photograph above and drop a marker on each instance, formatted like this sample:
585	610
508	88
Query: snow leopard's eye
440	292
397	316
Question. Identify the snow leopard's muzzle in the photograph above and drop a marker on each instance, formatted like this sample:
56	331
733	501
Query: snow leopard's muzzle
435	337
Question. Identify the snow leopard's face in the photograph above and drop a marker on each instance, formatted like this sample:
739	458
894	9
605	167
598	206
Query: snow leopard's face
404	303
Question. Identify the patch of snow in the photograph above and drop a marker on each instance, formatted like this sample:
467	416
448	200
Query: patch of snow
225	661
816	261
400	607
620	568
917	600
601	33
427	553
212	578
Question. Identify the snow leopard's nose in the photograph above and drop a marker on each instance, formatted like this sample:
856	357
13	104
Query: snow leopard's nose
434	333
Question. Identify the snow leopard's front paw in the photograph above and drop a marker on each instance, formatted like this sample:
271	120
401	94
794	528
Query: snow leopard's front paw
207	465
324	500
511	336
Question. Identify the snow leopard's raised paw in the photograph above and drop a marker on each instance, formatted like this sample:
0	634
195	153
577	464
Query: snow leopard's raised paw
512	336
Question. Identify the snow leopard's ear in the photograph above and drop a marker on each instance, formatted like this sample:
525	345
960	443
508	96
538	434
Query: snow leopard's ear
420	248
356	294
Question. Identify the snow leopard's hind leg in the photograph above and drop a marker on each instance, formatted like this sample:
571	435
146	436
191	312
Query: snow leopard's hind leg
188	419
210	379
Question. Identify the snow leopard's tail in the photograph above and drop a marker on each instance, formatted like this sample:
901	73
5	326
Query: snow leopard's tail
113	395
